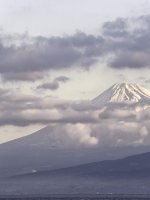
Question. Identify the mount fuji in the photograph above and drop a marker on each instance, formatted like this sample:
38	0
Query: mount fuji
54	147
123	93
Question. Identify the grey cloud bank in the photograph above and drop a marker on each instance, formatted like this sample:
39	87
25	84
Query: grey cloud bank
123	43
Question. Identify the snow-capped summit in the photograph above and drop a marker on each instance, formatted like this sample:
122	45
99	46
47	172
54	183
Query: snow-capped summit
124	92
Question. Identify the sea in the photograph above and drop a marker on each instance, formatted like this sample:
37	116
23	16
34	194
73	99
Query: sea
79	197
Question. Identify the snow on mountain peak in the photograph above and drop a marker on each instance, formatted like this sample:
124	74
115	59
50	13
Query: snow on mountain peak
123	92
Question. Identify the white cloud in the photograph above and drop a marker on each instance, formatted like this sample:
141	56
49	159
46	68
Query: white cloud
82	132
143	131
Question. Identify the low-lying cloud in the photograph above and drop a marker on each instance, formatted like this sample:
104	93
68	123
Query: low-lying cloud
112	125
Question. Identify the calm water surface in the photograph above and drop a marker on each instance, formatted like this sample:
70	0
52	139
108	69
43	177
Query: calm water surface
75	197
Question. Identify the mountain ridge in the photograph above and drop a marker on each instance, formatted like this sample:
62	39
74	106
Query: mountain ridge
129	163
129	175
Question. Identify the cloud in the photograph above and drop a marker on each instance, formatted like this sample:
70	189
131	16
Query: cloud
55	84
122	43
131	47
143	131
115	125
116	29
128	59
21	76
62	79
30	60
82	132
118	113
23	110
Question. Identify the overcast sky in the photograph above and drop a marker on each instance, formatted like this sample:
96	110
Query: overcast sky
49	17
68	49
